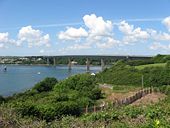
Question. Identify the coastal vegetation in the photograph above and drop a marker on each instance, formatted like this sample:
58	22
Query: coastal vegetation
123	73
52	103
50	99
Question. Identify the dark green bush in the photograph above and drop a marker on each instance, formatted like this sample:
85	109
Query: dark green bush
61	97
58	99
96	94
139	62
161	58
2	99
46	85
165	89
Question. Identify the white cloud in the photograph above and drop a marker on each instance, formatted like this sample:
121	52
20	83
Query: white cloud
159	46
97	26
33	37
79	46
163	37
99	32
73	34
4	37
166	22
126	28
132	34
109	43
5	40
159	36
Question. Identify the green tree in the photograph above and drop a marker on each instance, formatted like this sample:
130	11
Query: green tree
46	85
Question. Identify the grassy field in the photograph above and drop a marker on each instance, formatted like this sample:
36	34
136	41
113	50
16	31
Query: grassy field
124	88
150	65
115	92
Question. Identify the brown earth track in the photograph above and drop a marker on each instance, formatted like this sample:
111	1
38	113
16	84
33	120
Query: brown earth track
149	99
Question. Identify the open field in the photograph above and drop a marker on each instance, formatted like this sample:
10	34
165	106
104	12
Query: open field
117	92
150	65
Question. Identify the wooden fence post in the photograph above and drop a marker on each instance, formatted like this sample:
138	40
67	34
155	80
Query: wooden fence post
101	108
94	108
86	109
152	89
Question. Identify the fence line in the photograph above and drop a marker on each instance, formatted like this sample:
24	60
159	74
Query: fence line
125	101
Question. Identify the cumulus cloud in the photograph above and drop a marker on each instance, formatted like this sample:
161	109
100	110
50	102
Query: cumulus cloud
97	32
166	22
96	28
132	34
161	40
4	37
159	46
5	40
73	34
159	36
163	37
126	28
108	43
97	25
33	37
79	46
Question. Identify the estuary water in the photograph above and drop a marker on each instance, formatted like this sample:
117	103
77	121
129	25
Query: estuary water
18	78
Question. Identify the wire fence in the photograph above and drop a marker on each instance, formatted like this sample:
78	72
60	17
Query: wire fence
125	101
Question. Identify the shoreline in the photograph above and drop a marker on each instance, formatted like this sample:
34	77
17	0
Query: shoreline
51	65
8	94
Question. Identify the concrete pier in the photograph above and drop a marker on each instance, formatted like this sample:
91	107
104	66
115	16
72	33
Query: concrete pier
69	64
87	65
54	61
102	64
48	61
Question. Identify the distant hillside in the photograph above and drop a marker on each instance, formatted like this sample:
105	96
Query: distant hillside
121	73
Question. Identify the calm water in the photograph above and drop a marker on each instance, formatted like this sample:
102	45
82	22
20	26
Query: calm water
18	78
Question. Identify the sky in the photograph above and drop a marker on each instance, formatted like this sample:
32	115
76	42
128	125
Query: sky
84	27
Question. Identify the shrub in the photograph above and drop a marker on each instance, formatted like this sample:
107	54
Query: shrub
165	89
168	64
96	94
46	85
2	99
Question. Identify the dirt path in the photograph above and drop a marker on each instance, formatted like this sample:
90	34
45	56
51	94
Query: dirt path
113	96
149	99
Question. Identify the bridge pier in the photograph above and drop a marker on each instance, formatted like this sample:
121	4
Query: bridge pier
48	61
69	64
102	64
54	61
87	65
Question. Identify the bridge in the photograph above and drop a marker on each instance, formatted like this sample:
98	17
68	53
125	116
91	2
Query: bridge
87	59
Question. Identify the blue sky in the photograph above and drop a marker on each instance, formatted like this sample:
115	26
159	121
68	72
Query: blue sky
59	27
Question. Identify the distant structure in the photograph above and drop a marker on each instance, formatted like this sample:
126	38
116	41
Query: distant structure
88	59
